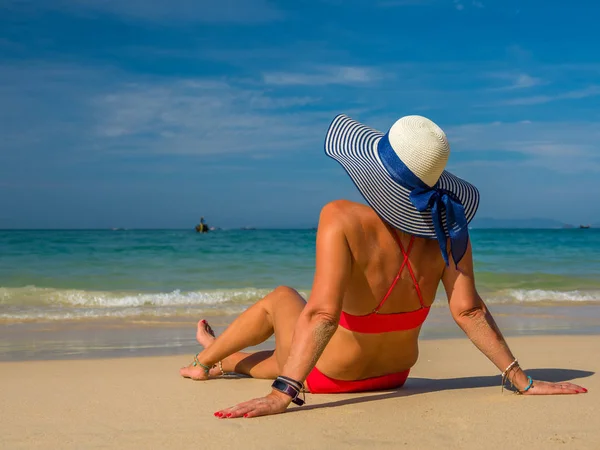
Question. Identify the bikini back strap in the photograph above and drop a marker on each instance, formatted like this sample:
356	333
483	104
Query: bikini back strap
405	262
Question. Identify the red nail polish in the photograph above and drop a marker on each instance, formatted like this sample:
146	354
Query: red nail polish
216	414
245	415
229	415
584	390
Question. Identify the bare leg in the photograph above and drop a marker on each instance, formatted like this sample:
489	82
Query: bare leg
257	364
277	314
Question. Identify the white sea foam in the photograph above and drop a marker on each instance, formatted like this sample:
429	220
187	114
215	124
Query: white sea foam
541	295
33	303
530	296
32	295
46	304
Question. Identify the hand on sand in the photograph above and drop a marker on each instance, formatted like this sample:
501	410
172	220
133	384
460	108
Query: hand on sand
547	388
274	403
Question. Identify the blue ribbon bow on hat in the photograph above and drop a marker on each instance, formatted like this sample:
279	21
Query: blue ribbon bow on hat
438	200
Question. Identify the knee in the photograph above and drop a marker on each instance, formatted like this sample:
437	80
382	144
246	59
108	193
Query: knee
284	291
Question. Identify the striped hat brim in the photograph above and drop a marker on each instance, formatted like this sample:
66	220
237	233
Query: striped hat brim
354	146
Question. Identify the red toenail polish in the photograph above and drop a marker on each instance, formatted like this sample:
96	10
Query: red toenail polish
245	415
229	415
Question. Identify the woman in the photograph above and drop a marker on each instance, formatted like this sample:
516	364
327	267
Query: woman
377	273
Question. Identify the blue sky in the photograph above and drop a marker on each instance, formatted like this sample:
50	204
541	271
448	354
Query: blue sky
151	113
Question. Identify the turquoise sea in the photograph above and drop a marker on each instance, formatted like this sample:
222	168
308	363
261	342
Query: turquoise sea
80	277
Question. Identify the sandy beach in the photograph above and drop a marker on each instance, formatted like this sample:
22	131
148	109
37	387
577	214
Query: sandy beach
452	400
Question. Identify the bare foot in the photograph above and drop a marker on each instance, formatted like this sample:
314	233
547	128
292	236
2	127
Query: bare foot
194	372
205	334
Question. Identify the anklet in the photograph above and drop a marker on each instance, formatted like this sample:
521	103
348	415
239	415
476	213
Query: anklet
220	364
198	363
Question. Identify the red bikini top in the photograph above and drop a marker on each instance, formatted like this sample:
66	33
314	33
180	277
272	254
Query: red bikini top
375	322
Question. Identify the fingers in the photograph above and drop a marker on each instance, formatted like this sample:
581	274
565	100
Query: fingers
252	408
570	388
563	390
545	388
574	386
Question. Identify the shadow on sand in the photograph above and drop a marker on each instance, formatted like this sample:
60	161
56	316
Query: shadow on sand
416	386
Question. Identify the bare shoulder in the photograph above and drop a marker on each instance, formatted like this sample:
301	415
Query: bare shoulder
344	215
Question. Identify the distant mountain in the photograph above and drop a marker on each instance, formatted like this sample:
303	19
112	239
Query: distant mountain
487	222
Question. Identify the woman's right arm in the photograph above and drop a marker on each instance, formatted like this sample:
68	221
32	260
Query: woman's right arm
473	317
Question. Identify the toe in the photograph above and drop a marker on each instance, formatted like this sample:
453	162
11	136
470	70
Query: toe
209	330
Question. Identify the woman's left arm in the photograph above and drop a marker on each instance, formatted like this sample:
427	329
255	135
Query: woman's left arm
319	319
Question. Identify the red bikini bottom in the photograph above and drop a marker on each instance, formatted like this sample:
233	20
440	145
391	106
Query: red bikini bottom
319	383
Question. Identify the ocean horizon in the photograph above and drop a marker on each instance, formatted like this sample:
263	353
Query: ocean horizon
142	290
77	274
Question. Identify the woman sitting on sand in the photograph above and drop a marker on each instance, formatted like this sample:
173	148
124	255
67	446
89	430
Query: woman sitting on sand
377	272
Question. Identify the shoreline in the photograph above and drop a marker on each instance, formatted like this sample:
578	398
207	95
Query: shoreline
452	400
150	336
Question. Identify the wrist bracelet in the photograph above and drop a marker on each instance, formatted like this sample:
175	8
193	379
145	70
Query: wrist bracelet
281	384
529	386
297	384
511	366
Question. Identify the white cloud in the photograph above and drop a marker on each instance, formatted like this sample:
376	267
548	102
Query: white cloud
591	91
517	80
202	117
561	146
525	81
345	75
61	109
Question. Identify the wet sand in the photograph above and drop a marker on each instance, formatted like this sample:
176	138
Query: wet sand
153	336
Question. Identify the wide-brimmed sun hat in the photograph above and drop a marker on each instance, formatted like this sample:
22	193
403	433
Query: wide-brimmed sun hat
401	175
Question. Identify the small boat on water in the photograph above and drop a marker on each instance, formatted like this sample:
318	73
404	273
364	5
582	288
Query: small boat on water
584	227
202	227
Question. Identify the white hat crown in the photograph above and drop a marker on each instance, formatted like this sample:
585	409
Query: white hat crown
421	145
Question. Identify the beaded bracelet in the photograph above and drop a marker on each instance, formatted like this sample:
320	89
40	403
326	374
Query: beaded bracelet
529	386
